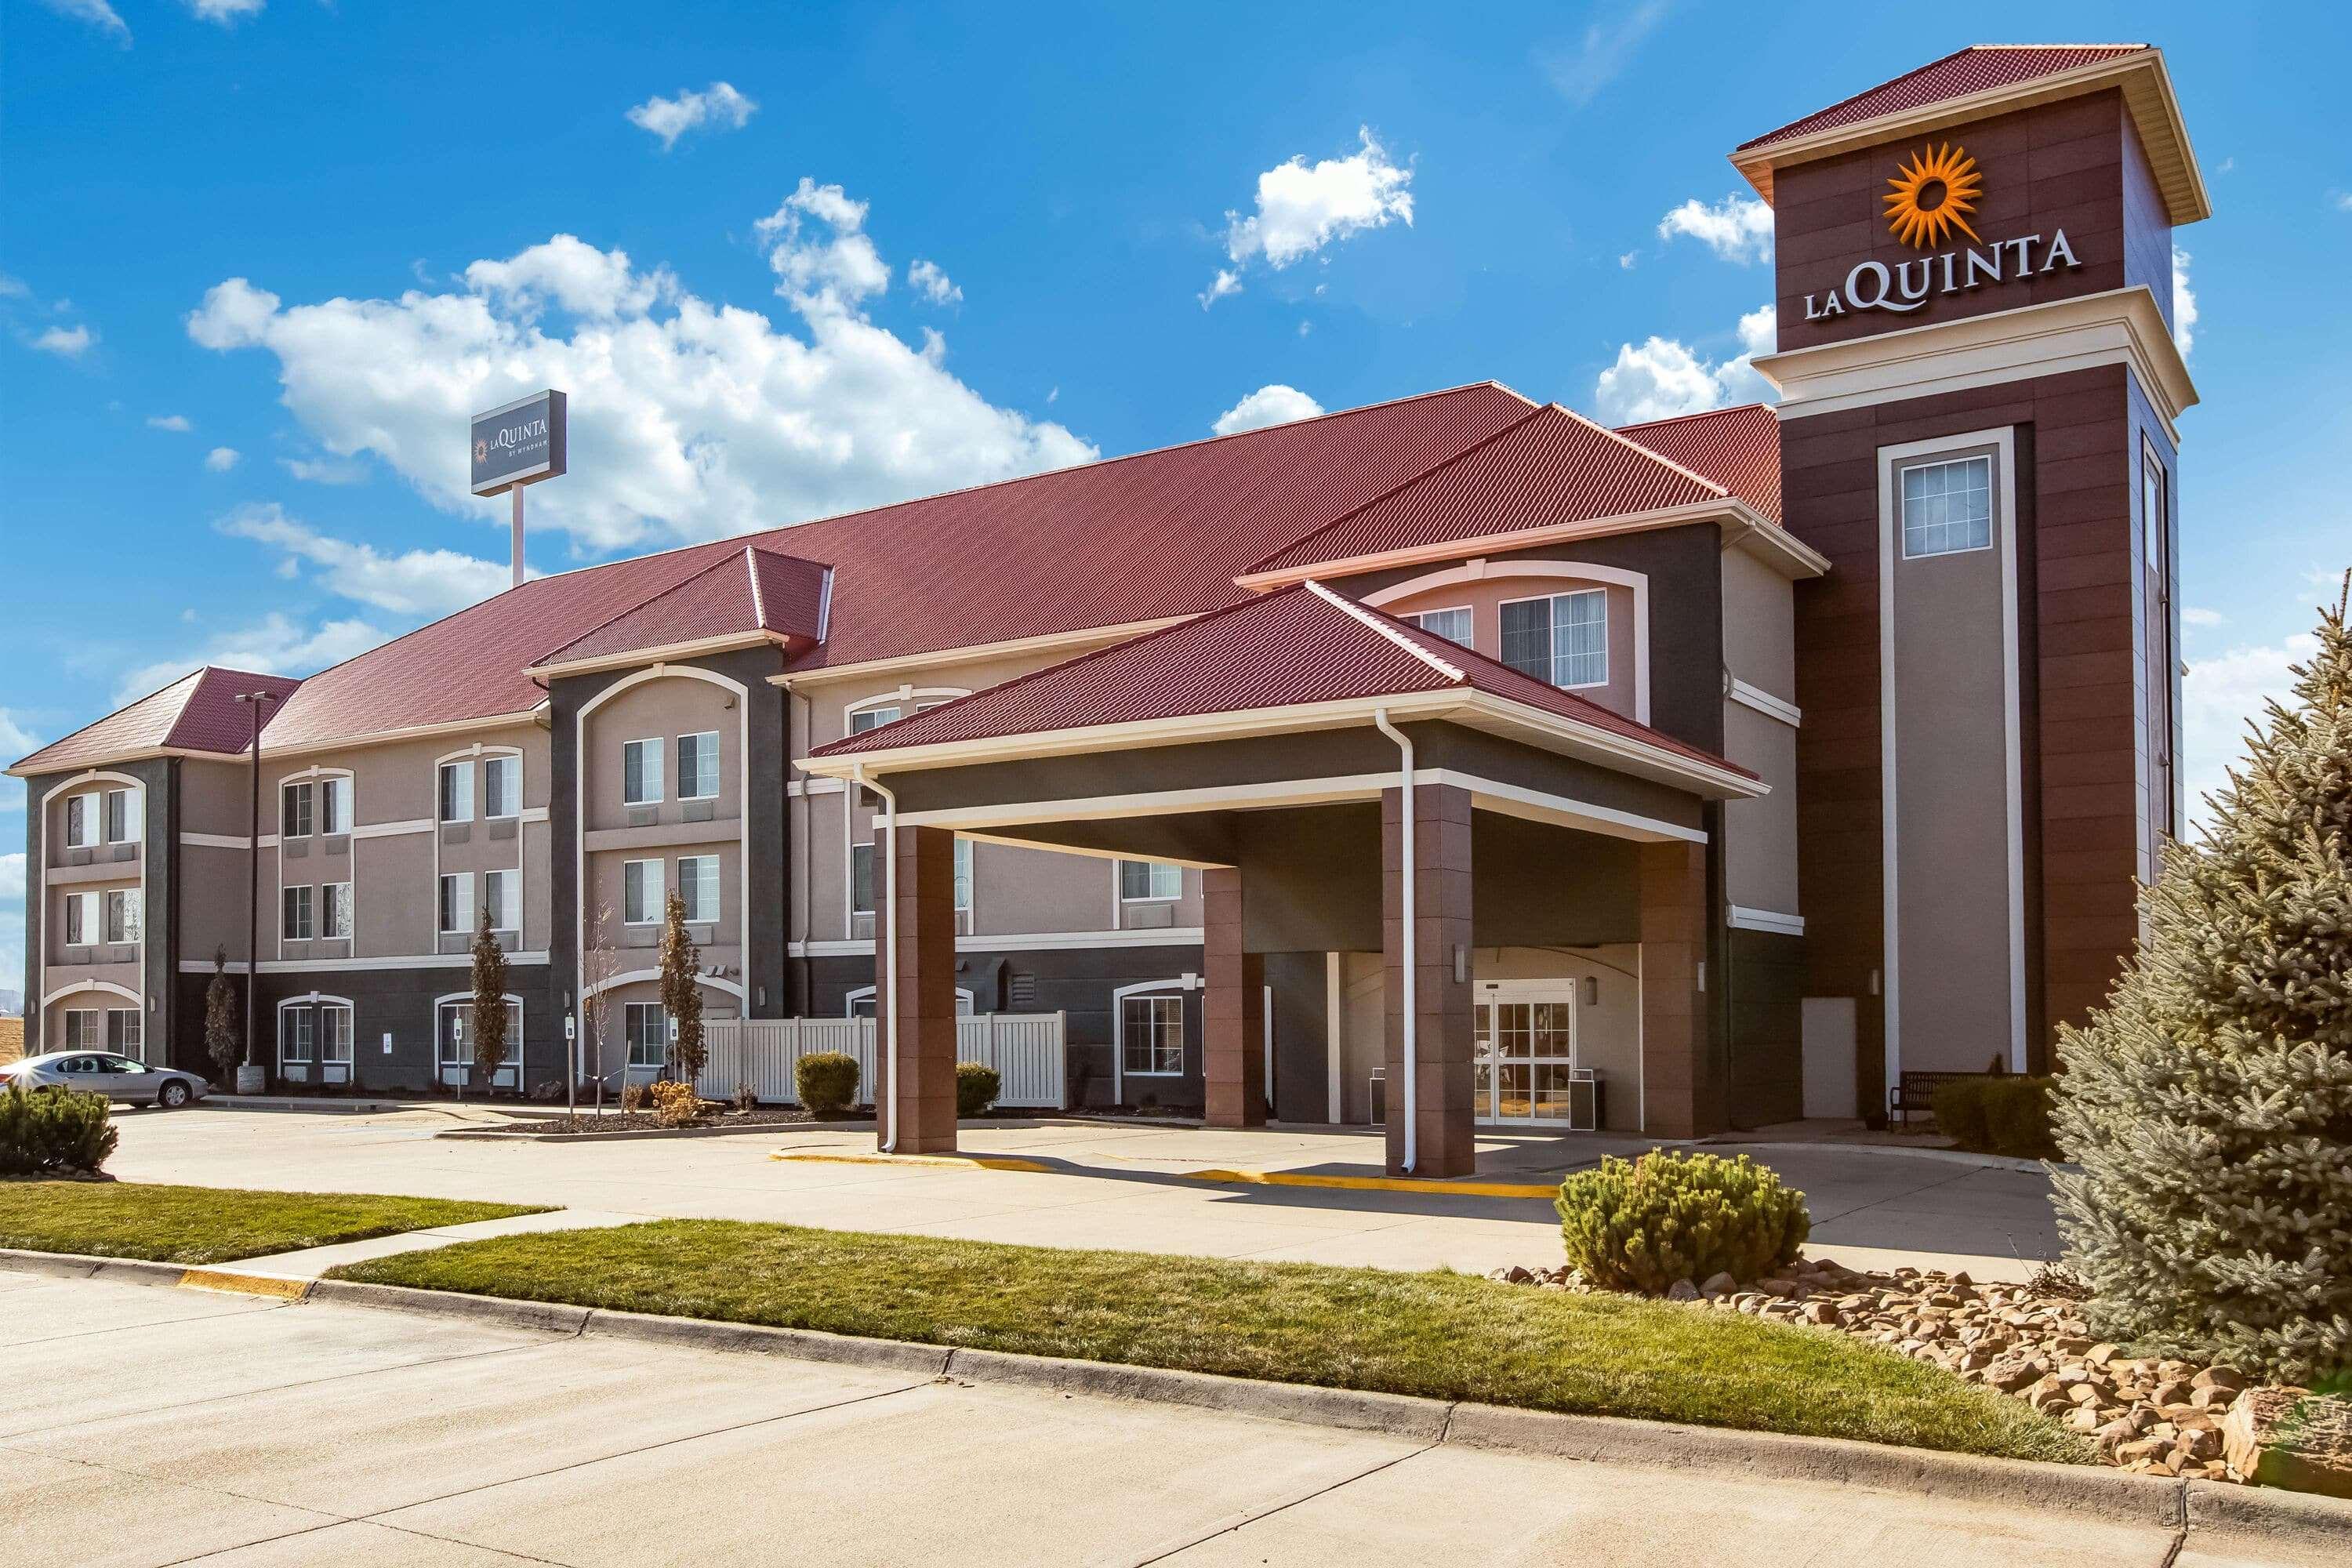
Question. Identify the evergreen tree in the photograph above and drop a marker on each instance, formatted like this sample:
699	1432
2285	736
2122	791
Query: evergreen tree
221	1041
489	1006
681	994
2210	1102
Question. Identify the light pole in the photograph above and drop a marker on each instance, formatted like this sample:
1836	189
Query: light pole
570	1065
251	1077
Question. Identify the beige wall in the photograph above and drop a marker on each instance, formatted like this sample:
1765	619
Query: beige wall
1760	837
1484	598
1760	626
98	869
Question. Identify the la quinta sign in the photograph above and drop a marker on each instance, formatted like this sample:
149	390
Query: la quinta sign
1931	199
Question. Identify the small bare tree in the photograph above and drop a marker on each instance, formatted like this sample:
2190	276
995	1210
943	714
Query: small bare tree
222	1042
599	964
489	1006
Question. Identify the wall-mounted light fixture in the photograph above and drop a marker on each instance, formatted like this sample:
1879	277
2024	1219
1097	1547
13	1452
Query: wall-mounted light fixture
1592	991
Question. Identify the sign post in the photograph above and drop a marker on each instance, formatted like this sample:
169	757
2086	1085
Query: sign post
518	444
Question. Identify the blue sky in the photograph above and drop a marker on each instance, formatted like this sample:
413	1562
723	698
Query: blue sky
260	257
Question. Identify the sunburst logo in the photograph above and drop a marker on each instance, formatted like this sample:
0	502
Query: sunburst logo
1933	195
481	451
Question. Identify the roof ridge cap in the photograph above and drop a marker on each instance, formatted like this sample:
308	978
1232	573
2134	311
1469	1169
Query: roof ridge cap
759	600
1699	480
631	608
1695	414
1387	631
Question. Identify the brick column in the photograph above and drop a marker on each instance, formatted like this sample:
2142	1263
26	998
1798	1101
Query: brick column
1680	1091
1443	1046
922	1030
1232	1007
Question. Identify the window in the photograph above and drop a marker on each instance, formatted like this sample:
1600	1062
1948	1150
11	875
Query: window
641	892
1452	625
698	766
1947	506
81	821
336	1034
81	919
641	778
456	792
501	786
502	898
81	1029
294	804
1563	640
964	876
335	913
861	879
866	719
296	926
457	1044
123	915
1152	1036
698	887
122	1031
647	1029
457	903
297	1034
1147	879
334	805
121	817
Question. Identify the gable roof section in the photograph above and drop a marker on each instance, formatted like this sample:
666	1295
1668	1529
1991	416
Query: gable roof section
1739	448
752	595
1295	647
197	713
1108	543
1963	73
1549	469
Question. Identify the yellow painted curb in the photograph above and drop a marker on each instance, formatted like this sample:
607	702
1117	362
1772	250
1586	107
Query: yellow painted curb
1376	1184
276	1286
949	1161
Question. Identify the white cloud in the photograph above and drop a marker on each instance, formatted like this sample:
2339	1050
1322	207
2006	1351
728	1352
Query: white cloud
2344	202
13	287
1605	51
928	280
97	13
2218	697
225	13
221	459
67	342
12	915
178	422
717	105
1273	404
1302	208
2184	303
691	419
276	645
16	741
1662	378
425	583
2195	616
1737	228
12	881
1626	261
326	470
1223	284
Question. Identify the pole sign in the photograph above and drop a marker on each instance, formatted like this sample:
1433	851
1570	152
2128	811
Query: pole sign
519	444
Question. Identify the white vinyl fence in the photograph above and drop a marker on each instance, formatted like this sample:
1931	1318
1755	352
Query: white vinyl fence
1026	1049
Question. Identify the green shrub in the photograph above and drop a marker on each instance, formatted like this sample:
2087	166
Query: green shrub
1645	1225
2005	1114
827	1081
54	1128
675	1104
977	1087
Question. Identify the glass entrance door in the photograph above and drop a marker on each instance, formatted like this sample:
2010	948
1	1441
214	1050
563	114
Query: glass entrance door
1526	1053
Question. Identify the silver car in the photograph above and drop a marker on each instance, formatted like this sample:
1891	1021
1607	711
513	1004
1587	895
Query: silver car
115	1077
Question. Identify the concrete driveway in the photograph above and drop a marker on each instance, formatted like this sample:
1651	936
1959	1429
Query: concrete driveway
1107	1184
143	1425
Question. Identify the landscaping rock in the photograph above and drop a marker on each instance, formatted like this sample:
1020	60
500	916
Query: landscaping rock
2291	1437
1718	1285
1682	1290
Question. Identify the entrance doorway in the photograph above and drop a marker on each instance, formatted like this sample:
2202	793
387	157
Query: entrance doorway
1527	1074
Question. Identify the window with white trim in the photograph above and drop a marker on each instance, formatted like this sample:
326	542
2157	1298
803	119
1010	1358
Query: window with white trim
964	876
295	922
1141	882
335	911
81	821
502	897
501	786
458	792
698	766
334	805
1152	1036
297	1034
82	1029
698	887
1562	639
866	719
124	1031
456	1048
1453	624
641	773
642	895
122	914
336	1034
1946	506
82	919
121	817
295	805
457	903
861	879
647	1029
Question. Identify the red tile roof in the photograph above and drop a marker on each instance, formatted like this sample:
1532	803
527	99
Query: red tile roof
197	713
748	592
1293	646
1128	539
1977	68
1739	448
1551	467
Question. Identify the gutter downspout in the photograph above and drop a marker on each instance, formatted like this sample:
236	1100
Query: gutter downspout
890	937
1411	1127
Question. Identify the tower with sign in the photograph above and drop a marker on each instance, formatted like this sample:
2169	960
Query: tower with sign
519	444
1981	394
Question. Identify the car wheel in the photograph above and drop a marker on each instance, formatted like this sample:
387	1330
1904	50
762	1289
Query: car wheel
173	1096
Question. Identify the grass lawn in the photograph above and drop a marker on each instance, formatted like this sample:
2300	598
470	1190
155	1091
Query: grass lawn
209	1224
1446	1336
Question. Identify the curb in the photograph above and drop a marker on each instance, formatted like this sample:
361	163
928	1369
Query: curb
1761	1151
626	1134
2083	1491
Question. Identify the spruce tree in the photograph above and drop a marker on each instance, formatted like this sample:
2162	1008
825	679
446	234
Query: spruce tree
489	1006
2210	1102
221	1040
681	993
